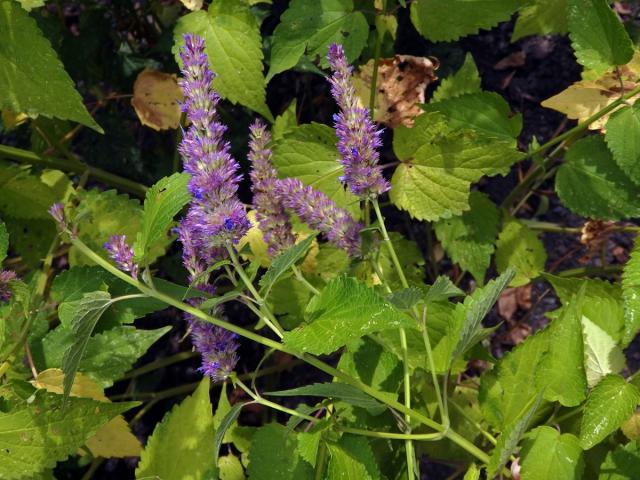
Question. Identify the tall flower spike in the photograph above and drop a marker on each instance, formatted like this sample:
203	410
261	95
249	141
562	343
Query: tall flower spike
215	216
271	214
6	276
320	213
218	348
358	136
121	253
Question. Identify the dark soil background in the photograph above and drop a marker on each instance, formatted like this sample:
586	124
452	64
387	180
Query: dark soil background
525	73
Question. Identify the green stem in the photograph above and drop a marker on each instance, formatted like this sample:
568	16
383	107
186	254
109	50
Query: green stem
591	271
374	75
267	342
158	364
26	156
550	227
321	460
432	368
304	281
390	435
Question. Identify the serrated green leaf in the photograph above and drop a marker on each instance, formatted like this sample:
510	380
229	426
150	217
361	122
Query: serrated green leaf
311	26
352	459
485	112
271	456
465	80
162	202
32	79
4	241
510	437
631	295
469	238
340	391
181	446
442	289
234	47
37	433
623	139
597	36
592	185
541	17
24	196
601	354
345	310
520	248
284	261
308	443
368	361
85	317
406	298
622	463
309	152
444	21
547	454
611	402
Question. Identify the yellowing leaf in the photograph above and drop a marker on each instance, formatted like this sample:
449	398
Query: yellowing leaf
114	439
192	4
155	99
254	238
586	97
631	428
11	120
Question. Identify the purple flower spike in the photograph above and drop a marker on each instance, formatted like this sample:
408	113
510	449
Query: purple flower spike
121	253
215	216
274	221
358	136
218	348
320	213
57	212
6	276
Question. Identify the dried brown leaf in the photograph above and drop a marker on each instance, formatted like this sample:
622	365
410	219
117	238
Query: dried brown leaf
156	97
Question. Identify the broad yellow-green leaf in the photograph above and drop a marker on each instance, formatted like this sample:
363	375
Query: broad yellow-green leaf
601	354
548	454
352	459
519	247
541	17
465	80
631	295
621	463
272	455
623	139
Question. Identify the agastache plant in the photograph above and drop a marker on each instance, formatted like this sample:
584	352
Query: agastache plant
358	137
122	254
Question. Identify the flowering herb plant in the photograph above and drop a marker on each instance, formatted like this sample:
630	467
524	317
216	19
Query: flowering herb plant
332	345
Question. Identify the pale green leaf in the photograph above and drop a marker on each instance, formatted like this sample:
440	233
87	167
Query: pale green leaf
406	298
4	241
621	463
465	80
234	47
592	185
283	262
286	121
368	361
631	295
32	79
345	310
597	36
548	454
230	468
272	455
308	152
308	443
37	433
162	202
473	473
611	402
601	354
225	425
623	139
311	26
181	446
24	196
444	21
469	238
519	247
541	17
442	289
352	459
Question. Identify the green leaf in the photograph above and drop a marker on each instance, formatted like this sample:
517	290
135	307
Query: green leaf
352	459
442	289
234	47
519	247
345	310
444	21
225	424
368	361
510	437
32	79
622	463
465	80
162	202
309	153
286	121
230	468
469	238
473	473
622	136
597	36
406	298
284	261
630	289
24	196
30	238
181	446
592	185
609	405
4	241
272	455
85	317
37	433
601	354
340	391
547	454
541	17
311	26
108	356
485	112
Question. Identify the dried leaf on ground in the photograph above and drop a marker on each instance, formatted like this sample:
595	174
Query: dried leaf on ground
595	234
512	299
513	60
400	87
156	97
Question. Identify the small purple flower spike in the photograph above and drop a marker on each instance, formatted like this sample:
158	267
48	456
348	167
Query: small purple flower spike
320	213
57	212
121	253
274	221
218	348
6	276
358	137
